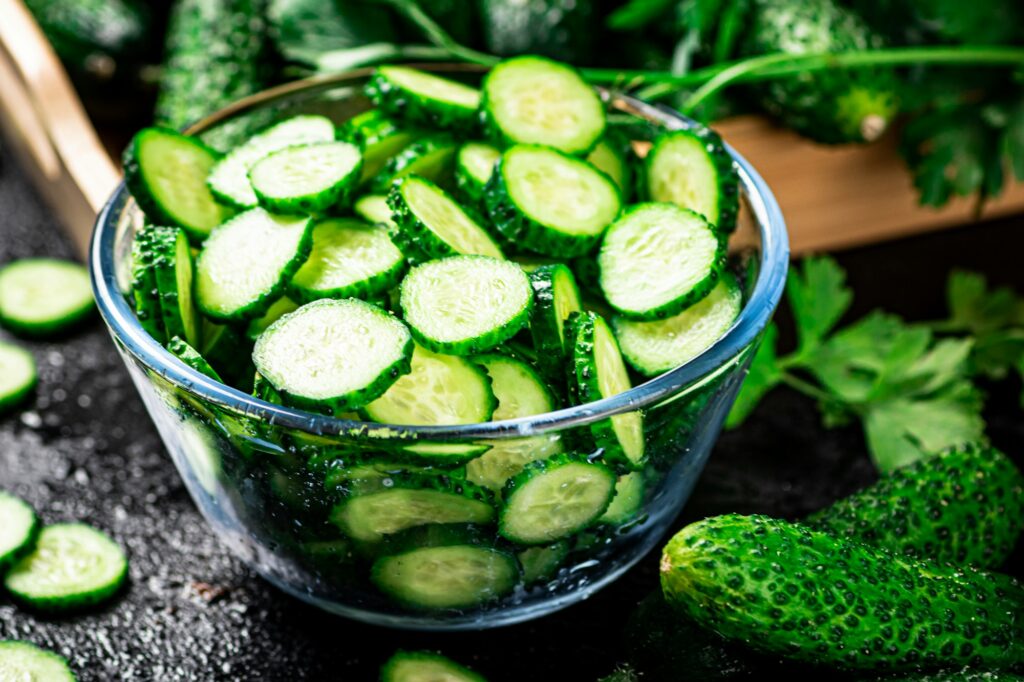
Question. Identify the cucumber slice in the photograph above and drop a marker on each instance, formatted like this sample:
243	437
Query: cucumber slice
373	208
378	136
275	312
599	372
333	355
433	224
452	577
554	498
611	157
431	157
555	297
422	666
373	475
228	352
656	347
191	357
629	499
541	563
166	173
423	98
549	202
43	296
144	292
72	566
412	500
533	100
308	178
229	178
692	169
463	305
659	259
170	257
246	262
350	259
18	375
19	527
474	166
21	661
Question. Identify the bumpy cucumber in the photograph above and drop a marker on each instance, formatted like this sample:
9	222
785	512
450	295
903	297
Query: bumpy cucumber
423	666
431	157
18	375
191	357
541	563
555	297
474	165
446	577
19	527
145	295
24	661
43	296
307	178
171	260
379	136
423	98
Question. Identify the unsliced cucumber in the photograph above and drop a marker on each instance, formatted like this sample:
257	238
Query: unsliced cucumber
554	498
229	178
307	178
433	225
658	346
659	259
18	375
72	566
629	499
191	357
611	156
431	157
373	208
534	100
42	296
246	263
474	165
423	666
334	355
463	305
542	562
555	297
423	98
21	661
447	577
350	259
166	173
379	136
275	312
549	202
171	260
692	169
19	527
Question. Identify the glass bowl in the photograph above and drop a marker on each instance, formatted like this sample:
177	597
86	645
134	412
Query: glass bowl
266	476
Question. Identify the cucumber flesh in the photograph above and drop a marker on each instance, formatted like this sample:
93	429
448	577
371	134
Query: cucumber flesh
420	666
555	296
423	98
474	166
41	296
629	498
541	563
373	208
452	577
611	161
21	661
378	136
170	256
275	312
691	169
431	158
19	527
18	375
309	178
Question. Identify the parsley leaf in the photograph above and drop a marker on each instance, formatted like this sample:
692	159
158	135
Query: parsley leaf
762	376
819	297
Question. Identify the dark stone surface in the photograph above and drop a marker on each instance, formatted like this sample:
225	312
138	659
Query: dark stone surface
86	450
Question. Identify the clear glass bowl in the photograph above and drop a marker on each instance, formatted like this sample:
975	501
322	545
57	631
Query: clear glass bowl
257	470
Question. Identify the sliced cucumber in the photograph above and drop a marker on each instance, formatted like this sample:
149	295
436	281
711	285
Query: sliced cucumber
72	566
378	136
24	662
474	166
451	577
656	347
431	157
422	666
373	208
507	457
171	259
307	178
692	169
659	259
463	305
19	527
433	224
191	357
350	259
275	312
166	173
374	475
518	388
541	563
412	500
533	100
144	292
229	179
599	372
554	498
228	352
43	296
549	202
333	355
555	297
246	263
629	499
18	375
424	98
611	157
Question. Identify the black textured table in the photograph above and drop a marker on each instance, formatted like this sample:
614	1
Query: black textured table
86	450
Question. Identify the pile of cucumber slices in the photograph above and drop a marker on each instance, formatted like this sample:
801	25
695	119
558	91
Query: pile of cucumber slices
453	255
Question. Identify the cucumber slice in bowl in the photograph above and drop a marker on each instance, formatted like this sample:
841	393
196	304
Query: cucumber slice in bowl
422	666
18	375
474	166
43	296
378	136
431	157
167	252
549	202
464	305
423	98
612	156
628	500
21	661
191	357
542	562
555	297
657	260
19	527
373	208
144	291
333	356
309	178
275	312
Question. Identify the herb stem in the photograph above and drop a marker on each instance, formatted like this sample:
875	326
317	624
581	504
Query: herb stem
807	388
438	36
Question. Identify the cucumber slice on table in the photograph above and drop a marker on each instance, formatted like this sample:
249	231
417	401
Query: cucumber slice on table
166	173
462	305
599	372
21	661
19	527
72	566
431	157
449	577
474	165
432	225
191	357
380	138
246	263
41	296
166	250
555	297
350	258
534	100
658	346
628	500
657	260
275	312
422	666
542	562
18	375
373	208
229	178
554	498
549	202
692	169
368	350
423	98
307	178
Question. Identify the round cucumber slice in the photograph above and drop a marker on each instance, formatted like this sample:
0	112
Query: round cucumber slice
18	375
474	166
555	297
308	178
19	527
609	157
72	566
333	355
453	577
659	259
555	498
421	666
464	305
373	208
21	661
430	157
423	98
41	296
629	498
541	563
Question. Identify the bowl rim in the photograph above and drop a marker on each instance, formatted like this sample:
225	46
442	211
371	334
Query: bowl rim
754	317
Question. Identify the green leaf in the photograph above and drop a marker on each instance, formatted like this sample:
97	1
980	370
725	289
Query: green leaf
819	297
636	14
849	362
975	308
1013	139
764	374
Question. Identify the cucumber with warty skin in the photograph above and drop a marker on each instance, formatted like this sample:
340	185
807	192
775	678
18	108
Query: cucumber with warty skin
171	260
626	674
555	297
422	666
18	375
422	98
145	296
24	661
191	357
19	527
